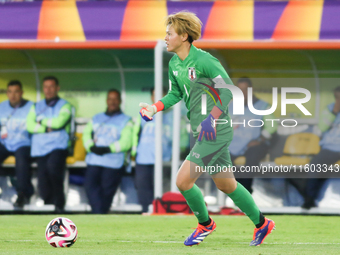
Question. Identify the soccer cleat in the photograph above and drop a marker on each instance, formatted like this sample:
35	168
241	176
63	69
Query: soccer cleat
199	234
261	233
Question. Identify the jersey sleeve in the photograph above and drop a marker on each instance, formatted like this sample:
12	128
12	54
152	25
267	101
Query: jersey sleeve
213	69
174	94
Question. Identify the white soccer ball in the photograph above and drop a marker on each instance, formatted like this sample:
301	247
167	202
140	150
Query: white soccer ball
61	232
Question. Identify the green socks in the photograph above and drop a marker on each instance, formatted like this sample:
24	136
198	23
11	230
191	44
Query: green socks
196	203
243	199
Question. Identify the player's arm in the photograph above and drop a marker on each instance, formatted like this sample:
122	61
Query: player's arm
173	97
32	125
174	94
213	69
87	136
61	120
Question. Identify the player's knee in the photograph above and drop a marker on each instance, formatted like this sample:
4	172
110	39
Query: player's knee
183	185
180	184
226	190
230	188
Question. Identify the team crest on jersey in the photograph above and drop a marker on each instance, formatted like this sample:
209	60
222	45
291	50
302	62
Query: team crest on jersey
192	73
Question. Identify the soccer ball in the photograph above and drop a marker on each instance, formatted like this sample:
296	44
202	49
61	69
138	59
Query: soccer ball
61	232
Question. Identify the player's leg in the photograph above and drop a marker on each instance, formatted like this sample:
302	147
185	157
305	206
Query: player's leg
203	154
186	178
185	182
226	182
241	197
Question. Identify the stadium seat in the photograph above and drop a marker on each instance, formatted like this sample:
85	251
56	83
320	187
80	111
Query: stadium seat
298	149
10	160
79	153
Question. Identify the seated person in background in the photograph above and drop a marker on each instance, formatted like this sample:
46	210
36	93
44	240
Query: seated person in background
143	148
49	122
106	138
329	154
251	142
15	140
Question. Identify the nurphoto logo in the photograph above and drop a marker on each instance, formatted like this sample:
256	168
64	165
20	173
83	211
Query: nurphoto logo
238	104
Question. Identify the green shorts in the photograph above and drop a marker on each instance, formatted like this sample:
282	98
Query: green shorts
211	155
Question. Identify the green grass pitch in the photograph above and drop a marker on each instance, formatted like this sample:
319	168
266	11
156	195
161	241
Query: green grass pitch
135	234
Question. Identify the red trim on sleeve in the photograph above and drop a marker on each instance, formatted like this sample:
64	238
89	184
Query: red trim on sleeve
159	105
216	112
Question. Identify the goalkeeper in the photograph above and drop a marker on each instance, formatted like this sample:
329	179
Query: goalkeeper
193	73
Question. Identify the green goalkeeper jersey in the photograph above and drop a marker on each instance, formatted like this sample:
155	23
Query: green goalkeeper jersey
194	76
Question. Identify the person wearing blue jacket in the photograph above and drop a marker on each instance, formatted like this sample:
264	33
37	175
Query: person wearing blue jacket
15	140
143	149
107	138
49	122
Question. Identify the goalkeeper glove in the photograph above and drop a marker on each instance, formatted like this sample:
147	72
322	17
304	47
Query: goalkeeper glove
207	128
148	111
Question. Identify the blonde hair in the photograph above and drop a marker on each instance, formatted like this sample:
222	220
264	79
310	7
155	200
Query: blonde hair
185	22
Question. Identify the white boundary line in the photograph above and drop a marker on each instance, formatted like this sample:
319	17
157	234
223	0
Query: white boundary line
129	241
